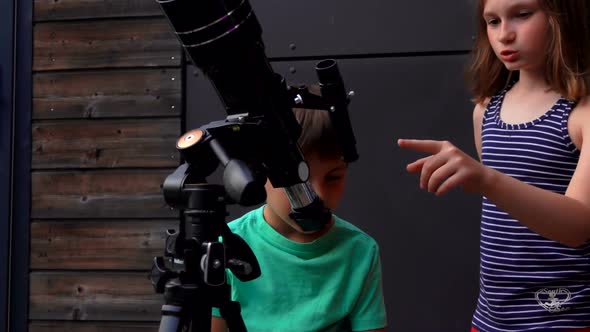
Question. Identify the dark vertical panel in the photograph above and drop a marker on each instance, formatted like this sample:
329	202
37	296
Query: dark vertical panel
405	60
429	246
21	189
6	68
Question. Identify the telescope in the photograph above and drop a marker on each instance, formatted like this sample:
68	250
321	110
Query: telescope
257	140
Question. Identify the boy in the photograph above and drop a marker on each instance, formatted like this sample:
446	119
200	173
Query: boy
329	280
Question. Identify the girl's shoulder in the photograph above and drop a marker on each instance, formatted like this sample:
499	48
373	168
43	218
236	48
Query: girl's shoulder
479	109
579	121
583	105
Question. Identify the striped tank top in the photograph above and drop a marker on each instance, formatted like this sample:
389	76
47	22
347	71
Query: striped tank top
528	282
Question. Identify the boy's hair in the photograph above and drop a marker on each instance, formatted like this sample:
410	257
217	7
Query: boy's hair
318	136
568	53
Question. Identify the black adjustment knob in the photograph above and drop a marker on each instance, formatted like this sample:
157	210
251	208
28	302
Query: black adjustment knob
160	274
213	263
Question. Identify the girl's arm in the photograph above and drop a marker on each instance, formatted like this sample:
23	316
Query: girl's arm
563	218
478	112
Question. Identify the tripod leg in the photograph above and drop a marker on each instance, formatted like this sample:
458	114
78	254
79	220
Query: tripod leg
200	318
171	319
231	312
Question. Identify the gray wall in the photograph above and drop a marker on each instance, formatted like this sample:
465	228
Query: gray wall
405	61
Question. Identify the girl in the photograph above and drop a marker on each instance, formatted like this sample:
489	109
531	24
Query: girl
529	76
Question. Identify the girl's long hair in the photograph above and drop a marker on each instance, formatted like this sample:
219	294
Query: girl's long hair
568	53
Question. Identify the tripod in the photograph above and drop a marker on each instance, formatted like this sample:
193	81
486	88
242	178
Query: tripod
192	272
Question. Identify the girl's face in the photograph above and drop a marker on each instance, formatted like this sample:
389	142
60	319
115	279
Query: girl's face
518	31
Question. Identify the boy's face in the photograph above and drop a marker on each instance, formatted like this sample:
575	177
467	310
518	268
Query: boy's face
327	177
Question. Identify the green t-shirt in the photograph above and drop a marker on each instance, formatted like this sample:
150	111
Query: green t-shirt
331	284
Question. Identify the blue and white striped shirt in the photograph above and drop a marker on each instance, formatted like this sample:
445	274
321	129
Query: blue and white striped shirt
528	282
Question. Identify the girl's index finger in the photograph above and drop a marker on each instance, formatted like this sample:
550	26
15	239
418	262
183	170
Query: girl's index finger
428	146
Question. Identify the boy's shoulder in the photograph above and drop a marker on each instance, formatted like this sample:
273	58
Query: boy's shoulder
348	230
246	221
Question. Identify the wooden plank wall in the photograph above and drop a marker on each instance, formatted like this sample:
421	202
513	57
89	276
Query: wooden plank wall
106	115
